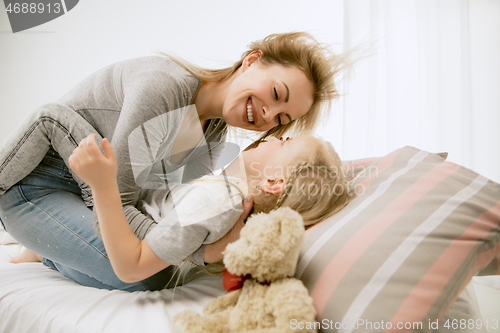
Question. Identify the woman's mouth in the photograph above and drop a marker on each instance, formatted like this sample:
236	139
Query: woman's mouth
249	111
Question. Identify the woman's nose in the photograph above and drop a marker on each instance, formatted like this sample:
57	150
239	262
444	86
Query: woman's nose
268	114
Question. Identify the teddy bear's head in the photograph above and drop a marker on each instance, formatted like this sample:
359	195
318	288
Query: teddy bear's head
268	247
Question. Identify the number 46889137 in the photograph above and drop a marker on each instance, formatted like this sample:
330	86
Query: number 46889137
471	324
33	8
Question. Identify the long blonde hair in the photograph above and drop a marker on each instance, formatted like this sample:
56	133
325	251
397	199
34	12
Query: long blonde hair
316	187
299	49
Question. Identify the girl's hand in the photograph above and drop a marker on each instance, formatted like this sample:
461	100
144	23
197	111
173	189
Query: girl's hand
88	162
215	252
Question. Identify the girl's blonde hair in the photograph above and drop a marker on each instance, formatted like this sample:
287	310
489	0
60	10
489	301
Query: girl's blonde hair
316	187
299	49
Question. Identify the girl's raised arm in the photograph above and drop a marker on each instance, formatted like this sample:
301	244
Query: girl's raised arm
131	259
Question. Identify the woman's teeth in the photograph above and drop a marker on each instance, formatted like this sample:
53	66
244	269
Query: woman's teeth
249	111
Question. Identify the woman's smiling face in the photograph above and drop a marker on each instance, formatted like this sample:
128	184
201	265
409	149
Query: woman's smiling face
264	96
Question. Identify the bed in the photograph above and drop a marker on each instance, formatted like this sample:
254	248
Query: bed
405	251
34	298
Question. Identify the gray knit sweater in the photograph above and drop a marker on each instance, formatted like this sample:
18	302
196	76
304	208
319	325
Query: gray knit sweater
138	104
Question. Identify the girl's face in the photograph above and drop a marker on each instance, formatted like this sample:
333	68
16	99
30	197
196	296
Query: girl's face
272	159
264	96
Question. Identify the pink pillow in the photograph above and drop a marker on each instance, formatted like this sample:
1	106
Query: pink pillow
402	251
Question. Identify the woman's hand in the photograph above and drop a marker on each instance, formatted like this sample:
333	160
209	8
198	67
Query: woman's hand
88	162
214	251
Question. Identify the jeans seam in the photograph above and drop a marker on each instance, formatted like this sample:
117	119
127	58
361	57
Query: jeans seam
48	173
96	109
30	131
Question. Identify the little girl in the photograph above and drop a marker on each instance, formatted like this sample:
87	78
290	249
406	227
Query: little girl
294	173
304	173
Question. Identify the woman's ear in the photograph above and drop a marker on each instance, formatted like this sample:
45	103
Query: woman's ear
251	59
273	186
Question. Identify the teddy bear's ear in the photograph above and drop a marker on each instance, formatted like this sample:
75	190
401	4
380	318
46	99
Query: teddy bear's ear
291	231
286	228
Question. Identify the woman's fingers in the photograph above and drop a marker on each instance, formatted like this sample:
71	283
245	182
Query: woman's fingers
247	207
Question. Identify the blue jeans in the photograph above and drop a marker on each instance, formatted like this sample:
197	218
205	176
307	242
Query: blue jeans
46	213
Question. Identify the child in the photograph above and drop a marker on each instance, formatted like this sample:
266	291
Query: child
293	173
304	173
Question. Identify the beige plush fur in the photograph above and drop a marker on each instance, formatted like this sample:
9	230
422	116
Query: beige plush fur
271	300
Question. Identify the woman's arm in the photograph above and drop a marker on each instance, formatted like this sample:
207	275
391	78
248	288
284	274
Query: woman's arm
131	259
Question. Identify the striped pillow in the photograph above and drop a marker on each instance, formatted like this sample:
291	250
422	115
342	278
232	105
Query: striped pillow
403	250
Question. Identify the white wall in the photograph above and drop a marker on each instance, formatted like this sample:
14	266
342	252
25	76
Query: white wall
42	63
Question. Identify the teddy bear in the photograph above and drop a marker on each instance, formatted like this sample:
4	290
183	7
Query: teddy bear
264	259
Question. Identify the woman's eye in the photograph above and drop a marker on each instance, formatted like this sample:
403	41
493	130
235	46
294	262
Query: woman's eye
275	93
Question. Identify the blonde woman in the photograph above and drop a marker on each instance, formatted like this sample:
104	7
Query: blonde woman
177	114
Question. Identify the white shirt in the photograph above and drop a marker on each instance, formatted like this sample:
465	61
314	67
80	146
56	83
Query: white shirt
190	215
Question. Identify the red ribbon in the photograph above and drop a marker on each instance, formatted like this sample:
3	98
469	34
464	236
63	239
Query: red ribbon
232	282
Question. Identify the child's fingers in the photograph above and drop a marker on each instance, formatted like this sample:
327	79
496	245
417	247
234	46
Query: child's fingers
76	154
92	146
108	149
73	162
83	142
82	152
90	142
90	149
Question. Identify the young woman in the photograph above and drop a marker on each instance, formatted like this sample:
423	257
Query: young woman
143	106
304	173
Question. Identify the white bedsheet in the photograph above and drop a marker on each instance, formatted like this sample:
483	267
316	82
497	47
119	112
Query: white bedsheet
34	298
